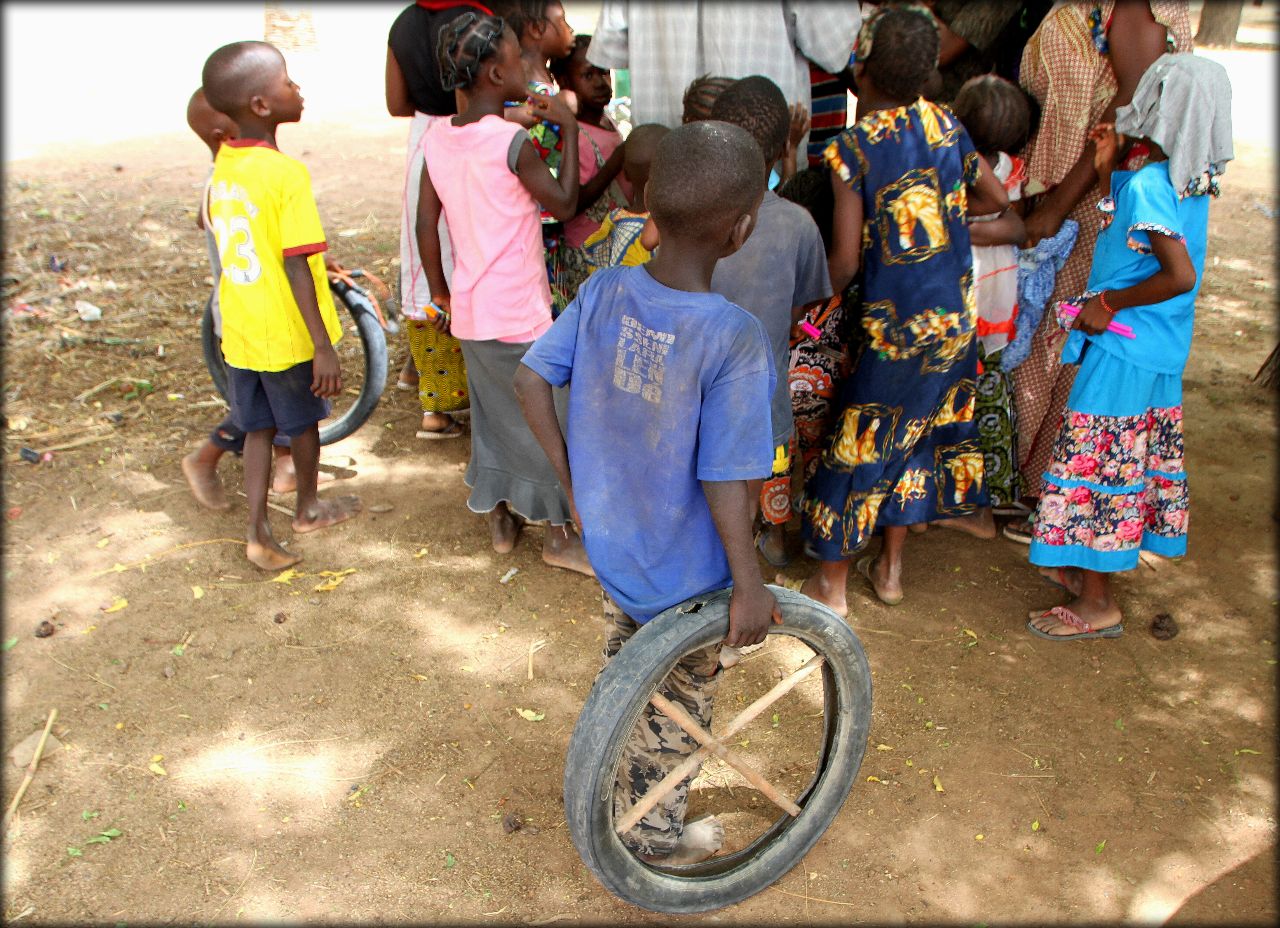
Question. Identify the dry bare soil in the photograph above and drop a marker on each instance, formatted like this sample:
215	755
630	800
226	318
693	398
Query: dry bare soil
254	750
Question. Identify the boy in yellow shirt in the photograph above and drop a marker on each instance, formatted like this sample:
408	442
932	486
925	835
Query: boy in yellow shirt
279	324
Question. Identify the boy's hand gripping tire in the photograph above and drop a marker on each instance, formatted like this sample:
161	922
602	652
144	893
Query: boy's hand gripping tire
620	693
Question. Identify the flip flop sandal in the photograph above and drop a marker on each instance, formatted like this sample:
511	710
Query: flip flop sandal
452	430
776	562
406	386
1020	531
1067	617
1020	510
462	415
863	566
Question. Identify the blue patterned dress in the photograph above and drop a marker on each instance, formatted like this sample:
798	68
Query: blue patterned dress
905	447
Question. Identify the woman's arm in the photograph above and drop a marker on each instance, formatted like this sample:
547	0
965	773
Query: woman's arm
1135	40
1177	275
558	195
846	235
397	88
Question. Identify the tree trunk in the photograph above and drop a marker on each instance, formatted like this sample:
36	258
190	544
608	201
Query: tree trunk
1219	22
1269	374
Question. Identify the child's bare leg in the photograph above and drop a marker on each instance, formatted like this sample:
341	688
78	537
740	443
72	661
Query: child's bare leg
885	571
311	512
504	528
562	547
408	377
981	524
263	550
284	477
1094	604
828	586
200	467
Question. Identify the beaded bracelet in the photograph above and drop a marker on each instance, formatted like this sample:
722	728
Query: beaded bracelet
1102	298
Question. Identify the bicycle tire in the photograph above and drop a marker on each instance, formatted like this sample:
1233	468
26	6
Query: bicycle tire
374	350
618	696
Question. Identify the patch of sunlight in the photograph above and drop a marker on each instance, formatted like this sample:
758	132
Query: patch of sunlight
289	770
259	905
1233	701
1177	877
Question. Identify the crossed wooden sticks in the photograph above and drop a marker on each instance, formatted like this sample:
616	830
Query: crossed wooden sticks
714	744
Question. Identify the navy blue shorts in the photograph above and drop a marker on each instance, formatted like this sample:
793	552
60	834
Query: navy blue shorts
280	400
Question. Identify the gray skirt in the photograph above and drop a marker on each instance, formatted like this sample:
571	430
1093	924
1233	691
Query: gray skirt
507	463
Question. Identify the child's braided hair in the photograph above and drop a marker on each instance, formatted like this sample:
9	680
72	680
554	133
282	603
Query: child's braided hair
466	43
701	95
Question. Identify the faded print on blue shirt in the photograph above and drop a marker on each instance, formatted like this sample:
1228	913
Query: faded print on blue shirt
668	388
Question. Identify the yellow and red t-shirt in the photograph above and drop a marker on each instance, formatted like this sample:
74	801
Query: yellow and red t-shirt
262	211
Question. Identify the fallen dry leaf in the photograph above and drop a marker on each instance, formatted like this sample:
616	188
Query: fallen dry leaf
116	606
530	716
197	592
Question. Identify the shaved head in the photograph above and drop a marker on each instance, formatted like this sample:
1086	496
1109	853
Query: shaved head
235	73
705	175
212	126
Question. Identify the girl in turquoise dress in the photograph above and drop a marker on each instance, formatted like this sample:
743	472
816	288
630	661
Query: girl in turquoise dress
905	449
1117	484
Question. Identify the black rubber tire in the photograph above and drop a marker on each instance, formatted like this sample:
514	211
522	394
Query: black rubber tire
374	349
616	699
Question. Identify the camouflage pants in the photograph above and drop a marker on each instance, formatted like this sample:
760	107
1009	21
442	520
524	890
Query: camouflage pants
658	745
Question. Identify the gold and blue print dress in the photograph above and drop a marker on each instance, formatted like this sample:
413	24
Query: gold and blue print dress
904	448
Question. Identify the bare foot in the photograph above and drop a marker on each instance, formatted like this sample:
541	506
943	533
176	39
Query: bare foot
563	548
918	528
819	588
205	484
1097	615
981	524
885	582
270	556
285	479
504	528
1069	578
326	512
700	840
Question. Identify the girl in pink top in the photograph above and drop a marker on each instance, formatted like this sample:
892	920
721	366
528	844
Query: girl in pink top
483	173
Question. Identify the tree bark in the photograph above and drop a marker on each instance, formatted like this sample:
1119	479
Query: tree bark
1269	374
1219	22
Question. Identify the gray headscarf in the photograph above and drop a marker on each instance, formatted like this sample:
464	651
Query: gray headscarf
1183	104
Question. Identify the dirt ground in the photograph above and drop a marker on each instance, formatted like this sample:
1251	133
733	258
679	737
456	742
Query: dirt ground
245	749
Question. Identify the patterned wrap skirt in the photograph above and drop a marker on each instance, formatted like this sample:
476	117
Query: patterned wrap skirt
1116	483
904	448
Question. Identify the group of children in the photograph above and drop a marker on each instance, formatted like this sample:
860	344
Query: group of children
715	330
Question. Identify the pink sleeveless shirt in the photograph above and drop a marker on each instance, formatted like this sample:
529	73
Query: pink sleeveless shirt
499	287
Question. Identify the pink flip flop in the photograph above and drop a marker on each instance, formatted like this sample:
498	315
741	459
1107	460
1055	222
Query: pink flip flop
1067	617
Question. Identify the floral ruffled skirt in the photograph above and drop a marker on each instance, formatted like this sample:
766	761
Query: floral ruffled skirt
1116	483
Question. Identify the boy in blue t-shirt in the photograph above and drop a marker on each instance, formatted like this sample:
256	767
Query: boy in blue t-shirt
668	421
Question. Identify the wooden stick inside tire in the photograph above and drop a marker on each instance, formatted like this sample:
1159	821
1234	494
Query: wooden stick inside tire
616	701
